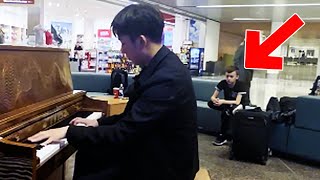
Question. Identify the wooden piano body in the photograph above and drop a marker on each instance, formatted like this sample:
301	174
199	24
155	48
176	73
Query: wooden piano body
36	94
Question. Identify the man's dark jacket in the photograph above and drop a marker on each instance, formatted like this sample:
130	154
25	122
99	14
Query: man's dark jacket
245	75
156	136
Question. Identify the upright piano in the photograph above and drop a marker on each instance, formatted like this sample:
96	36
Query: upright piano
36	94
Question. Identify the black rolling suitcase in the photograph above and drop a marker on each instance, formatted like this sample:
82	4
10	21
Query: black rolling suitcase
250	136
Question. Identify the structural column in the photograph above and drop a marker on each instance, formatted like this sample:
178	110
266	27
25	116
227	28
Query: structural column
318	65
276	52
89	32
35	15
211	41
179	33
270	86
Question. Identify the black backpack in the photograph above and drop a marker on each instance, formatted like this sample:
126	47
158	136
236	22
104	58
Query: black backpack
273	107
118	76
282	111
288	109
288	104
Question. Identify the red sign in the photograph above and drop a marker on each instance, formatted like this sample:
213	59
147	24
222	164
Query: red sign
168	17
104	33
257	55
18	1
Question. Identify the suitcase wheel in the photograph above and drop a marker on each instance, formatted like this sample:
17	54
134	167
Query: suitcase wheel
263	160
231	156
269	152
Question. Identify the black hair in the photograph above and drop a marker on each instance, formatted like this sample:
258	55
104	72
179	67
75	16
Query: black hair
231	69
139	19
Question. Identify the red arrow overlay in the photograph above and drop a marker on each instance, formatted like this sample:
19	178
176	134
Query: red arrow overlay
257	54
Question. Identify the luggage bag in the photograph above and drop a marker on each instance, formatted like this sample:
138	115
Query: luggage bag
250	135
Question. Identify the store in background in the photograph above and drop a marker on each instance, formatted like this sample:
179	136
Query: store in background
105	57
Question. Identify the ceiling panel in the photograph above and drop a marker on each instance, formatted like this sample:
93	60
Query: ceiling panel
226	14
227	2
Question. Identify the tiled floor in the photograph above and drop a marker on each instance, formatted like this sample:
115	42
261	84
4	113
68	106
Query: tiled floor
215	159
262	89
69	166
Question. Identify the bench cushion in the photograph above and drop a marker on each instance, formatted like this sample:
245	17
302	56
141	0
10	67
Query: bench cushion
204	88
208	119
308	113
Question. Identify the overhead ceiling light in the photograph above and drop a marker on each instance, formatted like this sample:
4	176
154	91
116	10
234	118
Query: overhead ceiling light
251	19
58	5
266	19
311	18
50	3
174	10
256	5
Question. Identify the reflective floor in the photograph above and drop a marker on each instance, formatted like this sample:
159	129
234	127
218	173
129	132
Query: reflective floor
296	72
264	88
215	159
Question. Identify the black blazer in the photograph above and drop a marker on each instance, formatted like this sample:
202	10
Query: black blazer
156	136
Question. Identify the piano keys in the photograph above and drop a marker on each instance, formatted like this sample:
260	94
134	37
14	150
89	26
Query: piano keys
36	94
49	150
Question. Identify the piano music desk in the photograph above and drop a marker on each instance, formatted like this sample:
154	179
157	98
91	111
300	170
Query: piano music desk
115	106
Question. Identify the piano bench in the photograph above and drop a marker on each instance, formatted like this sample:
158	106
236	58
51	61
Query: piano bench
202	174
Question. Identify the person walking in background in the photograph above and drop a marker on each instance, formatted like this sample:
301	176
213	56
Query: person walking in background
2	36
219	68
245	75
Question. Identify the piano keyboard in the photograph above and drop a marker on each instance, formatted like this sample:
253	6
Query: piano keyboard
47	151
77	91
50	150
95	115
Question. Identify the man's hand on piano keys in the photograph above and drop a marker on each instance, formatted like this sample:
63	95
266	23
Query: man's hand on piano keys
50	135
84	121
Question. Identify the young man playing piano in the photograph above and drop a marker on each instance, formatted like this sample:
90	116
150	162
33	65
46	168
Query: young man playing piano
156	136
